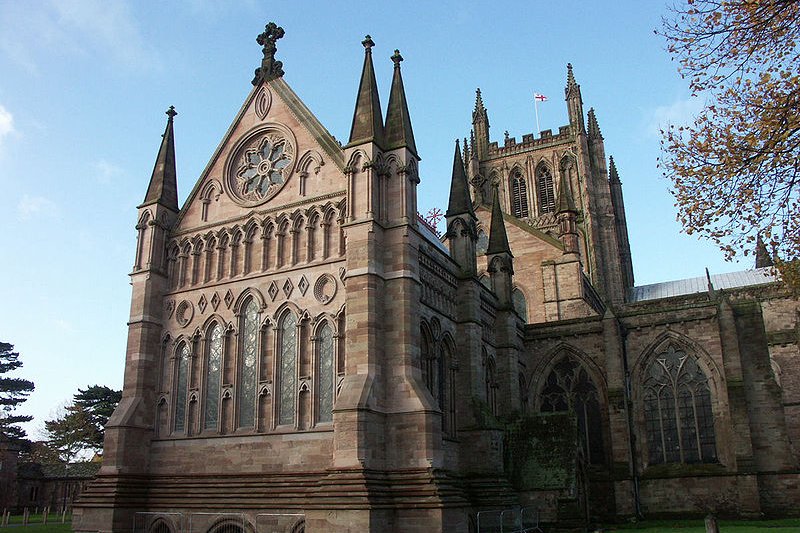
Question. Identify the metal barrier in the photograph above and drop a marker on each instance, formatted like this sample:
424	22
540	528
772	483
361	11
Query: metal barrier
148	522
514	520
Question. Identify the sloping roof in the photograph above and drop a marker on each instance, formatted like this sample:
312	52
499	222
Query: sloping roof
682	287
84	470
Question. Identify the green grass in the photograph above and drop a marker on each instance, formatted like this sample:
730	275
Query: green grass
52	518
788	525
41	528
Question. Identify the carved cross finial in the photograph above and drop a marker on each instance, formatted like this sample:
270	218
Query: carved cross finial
397	58
270	68
368	43
171	112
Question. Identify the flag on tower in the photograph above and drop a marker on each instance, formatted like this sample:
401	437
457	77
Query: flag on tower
539	97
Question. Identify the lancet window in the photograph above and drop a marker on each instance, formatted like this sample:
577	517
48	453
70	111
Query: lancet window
490	382
287	368
248	349
544	186
570	388
439	373
677	407
181	387
519	195
520	305
325	372
214	343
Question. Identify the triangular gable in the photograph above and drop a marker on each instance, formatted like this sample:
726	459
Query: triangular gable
260	107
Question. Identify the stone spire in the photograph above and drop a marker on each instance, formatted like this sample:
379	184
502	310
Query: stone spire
763	258
498	239
367	118
460	201
480	126
567	216
163	188
398	132
270	68
594	127
572	94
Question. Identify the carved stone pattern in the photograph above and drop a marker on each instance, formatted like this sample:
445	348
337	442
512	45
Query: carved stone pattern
261	168
215	301
302	285
169	308
229	299
184	313
288	287
325	288
263	102
202	303
272	291
438	286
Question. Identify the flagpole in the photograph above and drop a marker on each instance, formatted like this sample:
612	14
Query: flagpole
536	109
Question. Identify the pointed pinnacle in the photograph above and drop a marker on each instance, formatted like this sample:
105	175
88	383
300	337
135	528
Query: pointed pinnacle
171	113
763	258
479	101
368	43
459	202
594	127
367	118
565	203
397	130
397	58
571	84
498	239
163	188
613	175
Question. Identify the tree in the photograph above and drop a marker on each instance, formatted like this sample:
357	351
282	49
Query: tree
80	425
13	391
735	171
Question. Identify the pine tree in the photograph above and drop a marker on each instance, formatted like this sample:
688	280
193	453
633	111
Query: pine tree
13	391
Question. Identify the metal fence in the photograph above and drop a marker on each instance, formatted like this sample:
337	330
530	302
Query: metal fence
514	520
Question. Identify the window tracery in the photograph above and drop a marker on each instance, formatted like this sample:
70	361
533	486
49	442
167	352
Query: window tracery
569	387
677	404
247	370
213	377
181	387
325	372
287	366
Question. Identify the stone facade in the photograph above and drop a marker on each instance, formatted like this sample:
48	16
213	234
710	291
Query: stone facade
305	354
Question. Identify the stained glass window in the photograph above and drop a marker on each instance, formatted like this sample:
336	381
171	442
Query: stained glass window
677	405
519	195
544	183
248	338
181	387
287	375
569	388
213	374
325	373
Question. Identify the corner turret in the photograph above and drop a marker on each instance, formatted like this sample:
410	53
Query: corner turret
572	94
163	187
480	126
567	216
618	205
367	119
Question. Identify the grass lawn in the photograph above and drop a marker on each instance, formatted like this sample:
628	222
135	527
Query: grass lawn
41	528
52	519
791	525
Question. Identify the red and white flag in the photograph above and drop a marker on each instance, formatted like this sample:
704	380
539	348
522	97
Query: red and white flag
539	97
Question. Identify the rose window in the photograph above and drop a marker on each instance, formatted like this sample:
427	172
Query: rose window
262	168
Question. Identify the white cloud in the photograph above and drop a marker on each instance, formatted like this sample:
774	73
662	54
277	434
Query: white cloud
680	112
6	123
105	172
30	207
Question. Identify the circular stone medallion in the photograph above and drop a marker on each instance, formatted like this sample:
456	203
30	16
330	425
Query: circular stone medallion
260	166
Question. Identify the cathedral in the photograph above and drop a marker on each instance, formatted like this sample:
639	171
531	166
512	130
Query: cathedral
306	354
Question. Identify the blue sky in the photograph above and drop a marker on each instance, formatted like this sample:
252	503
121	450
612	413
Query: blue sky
85	84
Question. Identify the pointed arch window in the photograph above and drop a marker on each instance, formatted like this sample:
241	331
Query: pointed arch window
677	406
519	195
544	186
213	377
490	383
287	368
247	365
181	387
325	373
570	388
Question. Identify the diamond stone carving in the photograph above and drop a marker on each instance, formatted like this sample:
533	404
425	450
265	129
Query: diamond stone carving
202	303
272	291
229	298
288	287
302	285
215	301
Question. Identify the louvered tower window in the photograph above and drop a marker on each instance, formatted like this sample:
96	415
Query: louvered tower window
519	195
544	184
677	406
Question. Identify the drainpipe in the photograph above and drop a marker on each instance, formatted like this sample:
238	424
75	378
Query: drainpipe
637	503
